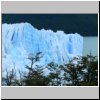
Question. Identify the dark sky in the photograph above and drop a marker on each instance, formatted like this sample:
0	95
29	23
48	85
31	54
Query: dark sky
84	24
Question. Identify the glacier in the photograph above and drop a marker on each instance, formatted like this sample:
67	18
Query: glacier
21	39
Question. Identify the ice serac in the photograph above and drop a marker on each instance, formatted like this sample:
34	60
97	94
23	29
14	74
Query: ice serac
21	39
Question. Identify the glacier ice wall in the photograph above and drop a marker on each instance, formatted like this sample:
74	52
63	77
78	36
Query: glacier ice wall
21	39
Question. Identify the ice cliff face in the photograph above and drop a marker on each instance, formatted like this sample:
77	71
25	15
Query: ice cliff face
20	40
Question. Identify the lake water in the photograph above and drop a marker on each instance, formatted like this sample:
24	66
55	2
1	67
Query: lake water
90	45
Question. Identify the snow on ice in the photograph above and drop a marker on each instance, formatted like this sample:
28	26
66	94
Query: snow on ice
21	39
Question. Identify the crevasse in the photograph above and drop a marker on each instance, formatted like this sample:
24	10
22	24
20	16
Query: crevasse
21	39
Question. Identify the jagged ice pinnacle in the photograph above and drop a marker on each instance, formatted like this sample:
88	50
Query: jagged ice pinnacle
21	39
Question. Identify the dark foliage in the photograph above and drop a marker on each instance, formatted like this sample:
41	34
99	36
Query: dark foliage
82	71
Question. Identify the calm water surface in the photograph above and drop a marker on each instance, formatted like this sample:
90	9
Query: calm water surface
90	45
